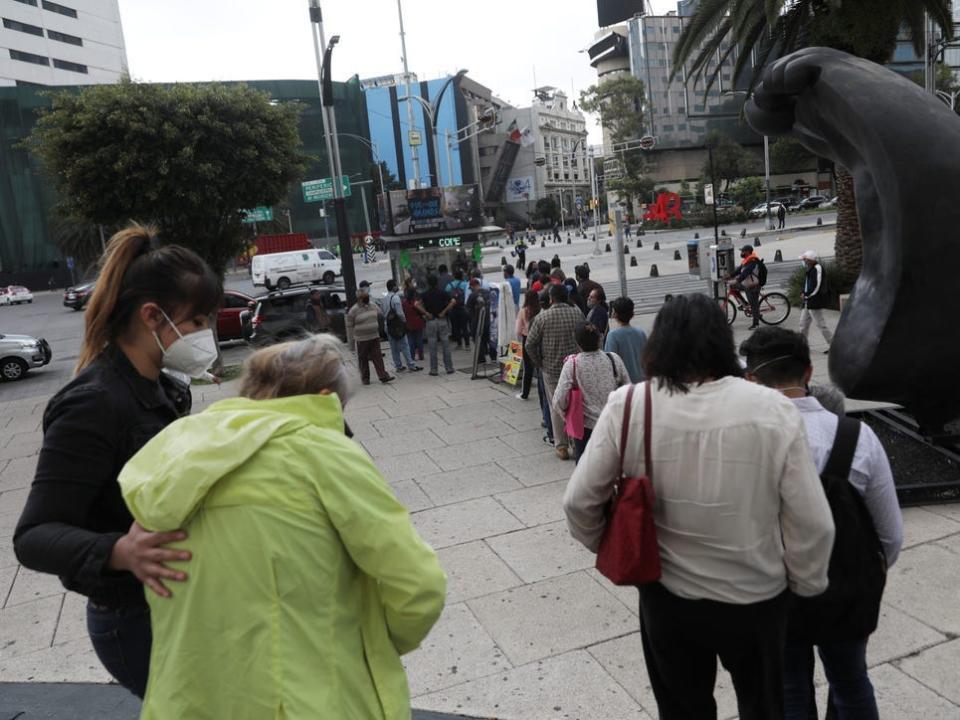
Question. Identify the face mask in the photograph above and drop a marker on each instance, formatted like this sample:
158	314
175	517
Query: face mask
191	354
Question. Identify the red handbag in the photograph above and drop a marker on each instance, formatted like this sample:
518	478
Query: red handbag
629	553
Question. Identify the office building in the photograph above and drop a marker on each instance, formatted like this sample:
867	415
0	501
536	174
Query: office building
71	42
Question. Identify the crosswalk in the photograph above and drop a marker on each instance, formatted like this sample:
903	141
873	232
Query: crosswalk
648	293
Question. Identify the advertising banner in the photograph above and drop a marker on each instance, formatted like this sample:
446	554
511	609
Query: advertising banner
520	189
427	209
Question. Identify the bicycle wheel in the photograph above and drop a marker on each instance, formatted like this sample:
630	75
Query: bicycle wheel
729	310
774	308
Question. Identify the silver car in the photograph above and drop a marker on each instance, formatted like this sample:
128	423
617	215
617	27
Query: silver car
19	353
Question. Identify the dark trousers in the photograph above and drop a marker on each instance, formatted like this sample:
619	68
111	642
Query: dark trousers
781	221
459	325
415	340
121	637
528	372
579	446
522	259
368	351
544	405
753	297
683	638
845	665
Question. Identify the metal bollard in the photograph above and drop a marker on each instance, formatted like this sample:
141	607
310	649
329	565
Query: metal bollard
778	256
653	271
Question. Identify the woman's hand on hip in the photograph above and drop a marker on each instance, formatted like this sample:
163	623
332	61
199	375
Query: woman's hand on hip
143	553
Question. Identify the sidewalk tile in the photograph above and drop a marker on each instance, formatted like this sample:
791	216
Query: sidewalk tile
74	661
920	526
947	510
406	467
951	543
476	411
396	445
31	585
537	505
898	635
572	686
73	619
900	697
472	430
12	501
551	617
526	442
411	496
450	487
937	669
7	556
421	420
457	650
542	552
924	585
526	420
28	627
628	595
538	469
9	519
18	474
623	659
363	416
473	569
7	576
466	456
463	522
413	406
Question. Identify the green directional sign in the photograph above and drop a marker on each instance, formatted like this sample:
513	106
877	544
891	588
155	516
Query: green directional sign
258	214
322	189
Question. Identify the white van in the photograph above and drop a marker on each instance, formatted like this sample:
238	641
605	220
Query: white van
281	270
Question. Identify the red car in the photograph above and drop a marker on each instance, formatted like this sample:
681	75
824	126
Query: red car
228	317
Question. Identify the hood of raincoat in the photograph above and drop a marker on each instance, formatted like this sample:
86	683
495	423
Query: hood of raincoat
169	478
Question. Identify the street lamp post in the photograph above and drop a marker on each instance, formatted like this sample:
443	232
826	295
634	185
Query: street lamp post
766	168
339	201
432	109
319	44
414	155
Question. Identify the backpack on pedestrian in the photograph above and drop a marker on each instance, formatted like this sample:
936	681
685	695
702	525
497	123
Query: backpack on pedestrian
762	272
396	322
850	607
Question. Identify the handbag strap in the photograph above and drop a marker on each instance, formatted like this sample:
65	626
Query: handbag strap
647	422
575	371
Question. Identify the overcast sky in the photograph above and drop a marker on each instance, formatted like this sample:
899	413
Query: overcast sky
503	43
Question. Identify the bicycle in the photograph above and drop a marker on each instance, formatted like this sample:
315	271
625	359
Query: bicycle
774	306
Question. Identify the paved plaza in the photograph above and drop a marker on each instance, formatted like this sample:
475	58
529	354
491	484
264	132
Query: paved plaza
530	629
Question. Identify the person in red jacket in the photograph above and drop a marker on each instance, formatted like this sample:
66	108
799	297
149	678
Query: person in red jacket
415	323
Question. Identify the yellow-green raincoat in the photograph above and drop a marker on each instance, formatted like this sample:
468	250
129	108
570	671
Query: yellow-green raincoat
307	580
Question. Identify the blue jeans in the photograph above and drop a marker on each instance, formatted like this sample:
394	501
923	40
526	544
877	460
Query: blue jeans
398	348
845	665
415	340
544	404
122	638
438	333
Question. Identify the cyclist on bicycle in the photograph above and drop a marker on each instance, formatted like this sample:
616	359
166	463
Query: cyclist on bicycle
746	280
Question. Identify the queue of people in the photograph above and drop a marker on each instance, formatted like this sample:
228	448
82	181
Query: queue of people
213	581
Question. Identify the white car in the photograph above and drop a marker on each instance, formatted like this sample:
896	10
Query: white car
14	295
281	270
761	210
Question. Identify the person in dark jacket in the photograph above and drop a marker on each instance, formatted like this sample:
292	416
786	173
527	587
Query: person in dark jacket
815	298
747	281
478	305
781	217
149	312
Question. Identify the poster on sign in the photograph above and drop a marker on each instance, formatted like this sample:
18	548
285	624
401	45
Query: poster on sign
430	209
519	189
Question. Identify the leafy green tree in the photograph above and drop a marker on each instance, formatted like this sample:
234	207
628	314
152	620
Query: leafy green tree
185	157
762	30
748	192
389	179
547	209
731	161
619	102
788	155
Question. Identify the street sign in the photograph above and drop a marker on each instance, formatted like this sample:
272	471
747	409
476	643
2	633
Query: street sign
648	142
708	194
69	262
258	214
415	138
322	189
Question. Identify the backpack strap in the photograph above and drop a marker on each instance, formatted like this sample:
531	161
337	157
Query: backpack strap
613	365
647	422
575	371
844	447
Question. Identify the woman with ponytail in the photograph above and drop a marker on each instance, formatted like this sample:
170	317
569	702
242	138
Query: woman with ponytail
150	311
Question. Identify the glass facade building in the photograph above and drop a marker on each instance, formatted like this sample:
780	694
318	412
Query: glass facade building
28	199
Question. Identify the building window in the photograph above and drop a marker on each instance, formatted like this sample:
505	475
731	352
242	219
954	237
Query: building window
29	57
22	27
64	38
59	9
28	2
71	66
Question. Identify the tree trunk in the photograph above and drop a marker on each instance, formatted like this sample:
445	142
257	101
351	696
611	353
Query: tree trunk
848	245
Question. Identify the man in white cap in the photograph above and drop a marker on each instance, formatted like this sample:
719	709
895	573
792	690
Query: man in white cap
815	296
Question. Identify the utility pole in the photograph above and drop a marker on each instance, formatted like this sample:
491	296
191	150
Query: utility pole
319	45
766	167
618	246
414	156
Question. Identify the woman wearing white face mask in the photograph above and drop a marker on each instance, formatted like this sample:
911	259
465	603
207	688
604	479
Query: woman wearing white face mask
150	311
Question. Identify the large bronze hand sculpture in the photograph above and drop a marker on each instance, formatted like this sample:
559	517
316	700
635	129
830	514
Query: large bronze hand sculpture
898	337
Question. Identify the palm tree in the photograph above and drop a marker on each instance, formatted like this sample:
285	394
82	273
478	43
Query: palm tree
767	29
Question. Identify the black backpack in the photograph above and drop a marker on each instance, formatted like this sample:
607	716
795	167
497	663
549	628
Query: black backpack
762	272
850	607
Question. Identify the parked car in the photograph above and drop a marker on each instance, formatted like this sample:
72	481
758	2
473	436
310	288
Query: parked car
282	270
78	296
281	315
809	203
19	353
228	316
761	210
788	202
14	295
831	203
